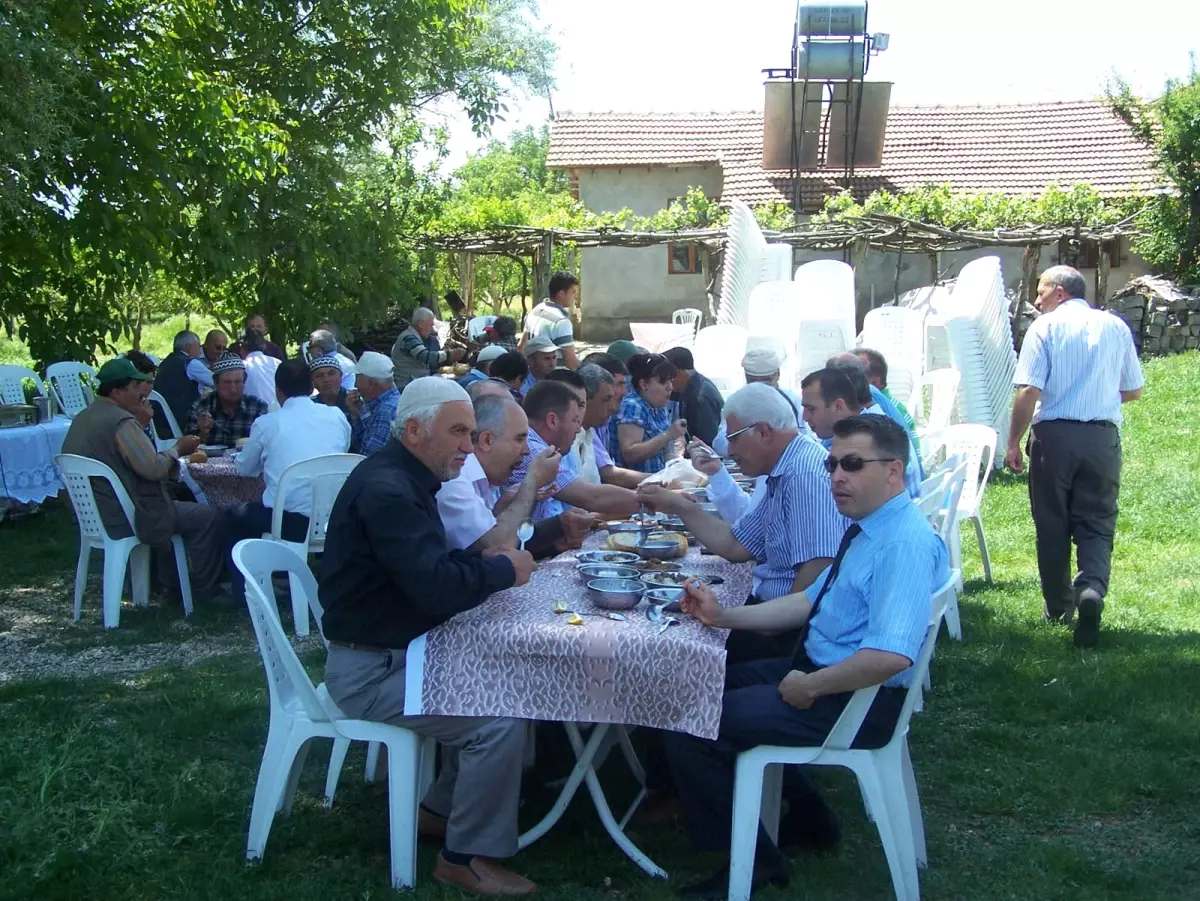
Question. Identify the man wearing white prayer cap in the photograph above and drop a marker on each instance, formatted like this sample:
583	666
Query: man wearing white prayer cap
388	575
372	405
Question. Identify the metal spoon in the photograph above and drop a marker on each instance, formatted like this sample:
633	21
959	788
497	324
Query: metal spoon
525	532
561	607
654	613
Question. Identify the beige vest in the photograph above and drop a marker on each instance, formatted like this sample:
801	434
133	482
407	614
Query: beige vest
93	434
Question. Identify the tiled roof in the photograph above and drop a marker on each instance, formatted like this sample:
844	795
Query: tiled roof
1013	149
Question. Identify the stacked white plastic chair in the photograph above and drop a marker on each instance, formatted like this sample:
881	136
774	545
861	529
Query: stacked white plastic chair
942	385
301	712
119	553
981	343
68	387
774	320
324	476
975	444
12	389
885	777
899	334
829	286
718	355
749	261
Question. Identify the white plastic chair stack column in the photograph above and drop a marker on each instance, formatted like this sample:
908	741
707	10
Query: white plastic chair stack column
323	477
898	333
745	248
942	385
828	286
77	474
976	445
885	777
718	355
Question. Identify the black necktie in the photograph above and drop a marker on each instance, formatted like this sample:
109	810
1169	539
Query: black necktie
851	533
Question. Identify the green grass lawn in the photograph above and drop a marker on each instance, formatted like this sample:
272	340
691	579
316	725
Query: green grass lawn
1046	772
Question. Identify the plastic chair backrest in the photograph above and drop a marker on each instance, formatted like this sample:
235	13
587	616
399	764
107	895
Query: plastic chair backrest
842	736
287	679
943	397
156	398
688	316
776	263
77	473
817	341
12	391
976	444
828	285
718	355
324	476
951	499
68	387
899	334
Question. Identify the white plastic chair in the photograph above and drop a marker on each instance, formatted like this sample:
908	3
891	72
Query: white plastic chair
301	712
885	777
77	474
324	477
817	341
718	355
942	385
689	316
899	334
976	444
828	286
12	391
69	391
172	422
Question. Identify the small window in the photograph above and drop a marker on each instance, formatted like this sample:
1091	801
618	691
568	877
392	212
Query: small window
1088	252
683	259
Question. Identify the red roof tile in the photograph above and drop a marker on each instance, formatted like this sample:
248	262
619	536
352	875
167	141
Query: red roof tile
1012	149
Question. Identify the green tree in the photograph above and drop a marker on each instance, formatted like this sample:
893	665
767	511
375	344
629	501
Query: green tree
1170	126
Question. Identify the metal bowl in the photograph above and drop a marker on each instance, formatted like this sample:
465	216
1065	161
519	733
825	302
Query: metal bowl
670	580
615	558
700	494
615	594
710	509
590	571
660	550
213	450
660	566
671	524
658	596
622	526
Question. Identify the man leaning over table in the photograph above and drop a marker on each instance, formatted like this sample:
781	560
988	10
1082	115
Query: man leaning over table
555	414
473	510
863	622
299	430
388	575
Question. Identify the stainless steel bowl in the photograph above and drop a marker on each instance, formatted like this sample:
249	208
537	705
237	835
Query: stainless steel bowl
671	523
590	571
660	550
616	527
700	494
661	566
710	509
662	595
670	580
615	558
213	450
615	594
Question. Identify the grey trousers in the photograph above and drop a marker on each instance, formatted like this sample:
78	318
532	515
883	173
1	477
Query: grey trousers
479	788
1074	480
200	528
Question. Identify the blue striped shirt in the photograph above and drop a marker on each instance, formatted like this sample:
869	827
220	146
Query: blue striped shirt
796	521
882	599
568	472
1081	359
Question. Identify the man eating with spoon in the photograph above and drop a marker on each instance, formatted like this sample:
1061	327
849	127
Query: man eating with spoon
471	507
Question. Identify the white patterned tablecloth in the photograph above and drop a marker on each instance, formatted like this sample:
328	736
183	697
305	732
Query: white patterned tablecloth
27	470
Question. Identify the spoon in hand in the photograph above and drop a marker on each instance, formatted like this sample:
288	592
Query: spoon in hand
524	532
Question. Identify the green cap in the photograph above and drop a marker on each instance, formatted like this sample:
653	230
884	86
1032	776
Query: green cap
623	350
120	369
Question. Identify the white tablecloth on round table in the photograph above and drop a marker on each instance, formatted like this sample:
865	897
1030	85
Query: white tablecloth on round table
656	337
27	470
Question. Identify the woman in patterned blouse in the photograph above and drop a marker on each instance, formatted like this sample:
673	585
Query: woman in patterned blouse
644	426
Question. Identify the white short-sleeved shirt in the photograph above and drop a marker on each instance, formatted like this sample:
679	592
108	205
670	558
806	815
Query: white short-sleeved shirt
465	505
551	320
260	378
1081	359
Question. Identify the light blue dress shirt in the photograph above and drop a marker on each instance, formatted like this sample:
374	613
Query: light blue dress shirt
882	598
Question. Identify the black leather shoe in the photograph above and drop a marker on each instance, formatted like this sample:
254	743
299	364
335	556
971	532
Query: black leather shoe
810	824
1087	629
716	886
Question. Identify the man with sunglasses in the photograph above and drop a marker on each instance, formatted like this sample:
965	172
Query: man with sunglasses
862	623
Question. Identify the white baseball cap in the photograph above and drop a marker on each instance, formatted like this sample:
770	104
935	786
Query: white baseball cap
490	351
540	344
374	365
761	362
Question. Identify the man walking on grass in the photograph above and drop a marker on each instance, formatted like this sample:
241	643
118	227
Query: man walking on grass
1077	366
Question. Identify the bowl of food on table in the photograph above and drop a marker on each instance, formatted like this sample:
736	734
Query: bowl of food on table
620	558
671	580
700	495
213	450
671	523
629	527
615	594
662	597
662	546
589	571
654	565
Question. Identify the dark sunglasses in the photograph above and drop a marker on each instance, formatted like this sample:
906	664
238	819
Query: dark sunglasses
852	462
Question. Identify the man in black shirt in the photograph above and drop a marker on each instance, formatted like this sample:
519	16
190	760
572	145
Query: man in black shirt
388	575
700	402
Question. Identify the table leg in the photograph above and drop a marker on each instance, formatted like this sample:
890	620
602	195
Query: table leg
585	754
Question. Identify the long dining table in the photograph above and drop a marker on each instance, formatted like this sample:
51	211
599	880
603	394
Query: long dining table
514	656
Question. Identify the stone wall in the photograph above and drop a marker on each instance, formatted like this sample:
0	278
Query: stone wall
1164	318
